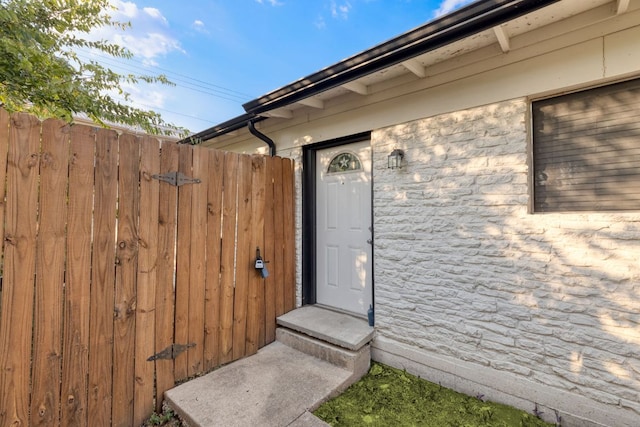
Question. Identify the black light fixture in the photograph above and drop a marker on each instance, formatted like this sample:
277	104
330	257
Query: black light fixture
394	161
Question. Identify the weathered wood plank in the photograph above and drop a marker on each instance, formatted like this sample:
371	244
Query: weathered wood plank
51	246
146	280
256	310
244	257
4	145
124	336
278	242
213	248
103	277
289	250
230	184
197	265
183	261
269	254
19	269
75	350
165	293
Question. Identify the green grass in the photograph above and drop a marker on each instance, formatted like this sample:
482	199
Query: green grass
391	397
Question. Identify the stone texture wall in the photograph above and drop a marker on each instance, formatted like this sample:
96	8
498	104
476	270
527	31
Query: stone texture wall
463	270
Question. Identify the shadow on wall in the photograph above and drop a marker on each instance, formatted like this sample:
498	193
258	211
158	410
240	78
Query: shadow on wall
464	270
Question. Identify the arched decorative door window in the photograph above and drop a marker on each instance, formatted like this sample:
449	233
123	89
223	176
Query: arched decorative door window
344	162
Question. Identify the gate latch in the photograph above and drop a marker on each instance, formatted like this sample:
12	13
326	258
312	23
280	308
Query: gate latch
176	178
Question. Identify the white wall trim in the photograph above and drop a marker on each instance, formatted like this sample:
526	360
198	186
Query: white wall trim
498	386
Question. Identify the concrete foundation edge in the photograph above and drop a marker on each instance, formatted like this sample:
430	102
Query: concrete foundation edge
502	387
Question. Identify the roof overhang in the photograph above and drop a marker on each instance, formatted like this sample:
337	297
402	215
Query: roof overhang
408	53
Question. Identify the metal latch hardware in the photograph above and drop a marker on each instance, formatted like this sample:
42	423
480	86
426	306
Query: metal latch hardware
176	178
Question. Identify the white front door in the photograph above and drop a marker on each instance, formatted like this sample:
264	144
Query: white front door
343	227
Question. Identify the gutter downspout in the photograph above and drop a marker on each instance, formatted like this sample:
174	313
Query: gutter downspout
255	132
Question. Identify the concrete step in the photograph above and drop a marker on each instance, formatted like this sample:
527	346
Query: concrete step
356	362
318	353
339	329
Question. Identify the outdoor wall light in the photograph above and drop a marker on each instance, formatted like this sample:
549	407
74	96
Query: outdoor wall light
394	161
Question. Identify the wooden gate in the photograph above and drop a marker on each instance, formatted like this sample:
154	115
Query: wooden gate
118	283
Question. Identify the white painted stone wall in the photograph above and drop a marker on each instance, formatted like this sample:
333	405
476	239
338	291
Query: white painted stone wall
465	274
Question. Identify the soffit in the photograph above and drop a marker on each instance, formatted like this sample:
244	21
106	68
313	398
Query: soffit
535	20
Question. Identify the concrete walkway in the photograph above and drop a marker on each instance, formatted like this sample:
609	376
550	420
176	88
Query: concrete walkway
275	387
318	354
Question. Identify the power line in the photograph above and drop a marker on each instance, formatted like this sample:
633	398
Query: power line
220	91
187	85
165	110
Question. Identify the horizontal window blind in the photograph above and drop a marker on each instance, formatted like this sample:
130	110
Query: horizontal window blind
586	150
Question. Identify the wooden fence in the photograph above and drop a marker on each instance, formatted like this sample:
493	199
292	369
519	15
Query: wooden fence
117	284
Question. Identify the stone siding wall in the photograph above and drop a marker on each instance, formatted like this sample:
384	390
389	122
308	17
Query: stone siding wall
464	270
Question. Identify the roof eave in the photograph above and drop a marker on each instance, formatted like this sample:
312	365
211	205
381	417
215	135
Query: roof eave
465	22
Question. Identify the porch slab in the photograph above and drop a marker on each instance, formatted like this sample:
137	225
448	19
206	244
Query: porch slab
276	387
336	328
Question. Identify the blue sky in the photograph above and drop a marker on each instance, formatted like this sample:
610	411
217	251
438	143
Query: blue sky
223	53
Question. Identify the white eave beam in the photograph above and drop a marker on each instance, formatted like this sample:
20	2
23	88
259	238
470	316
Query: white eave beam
622	7
312	102
281	113
503	38
415	67
356	87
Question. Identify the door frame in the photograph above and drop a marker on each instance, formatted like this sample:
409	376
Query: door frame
309	219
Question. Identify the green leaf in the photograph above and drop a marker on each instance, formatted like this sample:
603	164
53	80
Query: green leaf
41	73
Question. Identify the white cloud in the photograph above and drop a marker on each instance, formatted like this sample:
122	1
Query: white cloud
340	10
156	14
127	9
199	26
148	37
142	95
271	2
449	6
148	46
320	23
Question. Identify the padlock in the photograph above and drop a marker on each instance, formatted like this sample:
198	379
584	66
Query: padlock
259	264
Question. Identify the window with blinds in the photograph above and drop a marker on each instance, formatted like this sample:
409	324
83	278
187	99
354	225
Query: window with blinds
586	150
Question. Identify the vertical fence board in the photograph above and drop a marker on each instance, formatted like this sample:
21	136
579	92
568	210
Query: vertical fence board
165	270
103	277
96	286
289	250
4	144
197	267
47	345
278	240
19	268
182	261
255	308
125	287
147	280
229	211
213	247
75	349
269	236
244	254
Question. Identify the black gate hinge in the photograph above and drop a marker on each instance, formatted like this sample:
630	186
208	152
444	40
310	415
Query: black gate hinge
171	352
176	178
